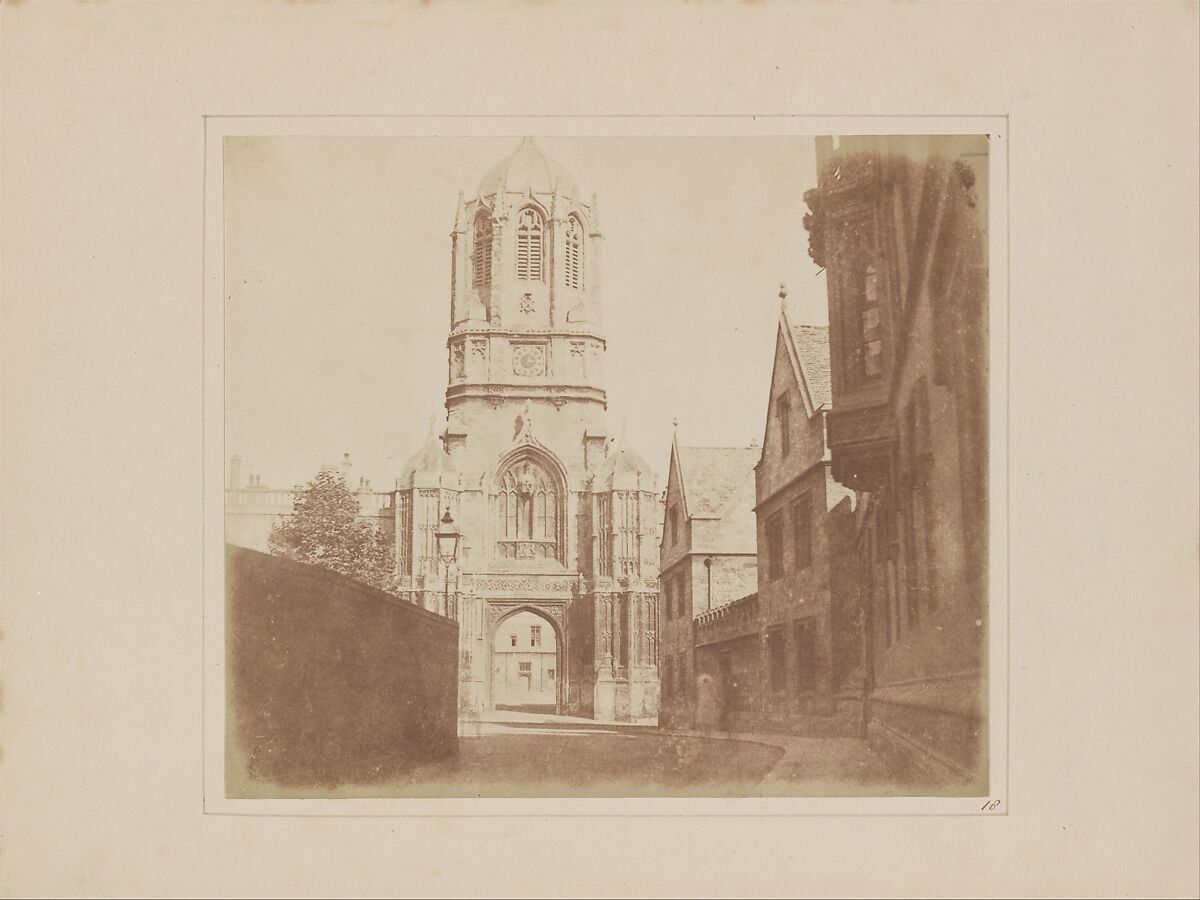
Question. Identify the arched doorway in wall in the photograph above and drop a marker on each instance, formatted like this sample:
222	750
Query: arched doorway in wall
526	666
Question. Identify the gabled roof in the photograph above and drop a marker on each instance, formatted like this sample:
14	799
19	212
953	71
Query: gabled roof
711	476
808	351
811	343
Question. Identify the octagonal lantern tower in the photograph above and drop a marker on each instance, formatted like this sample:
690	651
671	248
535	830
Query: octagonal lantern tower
557	518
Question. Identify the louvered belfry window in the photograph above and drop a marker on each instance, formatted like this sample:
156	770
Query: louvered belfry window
529	246
872	335
483	251
574	254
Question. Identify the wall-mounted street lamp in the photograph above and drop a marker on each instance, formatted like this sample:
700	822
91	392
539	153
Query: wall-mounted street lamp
447	544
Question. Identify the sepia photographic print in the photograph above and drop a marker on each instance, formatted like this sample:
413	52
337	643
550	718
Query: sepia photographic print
557	463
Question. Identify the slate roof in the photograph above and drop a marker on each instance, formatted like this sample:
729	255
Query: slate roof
739	524
711	476
812	346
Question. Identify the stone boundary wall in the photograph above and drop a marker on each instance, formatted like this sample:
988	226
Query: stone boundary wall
329	682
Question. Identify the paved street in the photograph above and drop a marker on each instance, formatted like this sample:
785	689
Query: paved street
511	753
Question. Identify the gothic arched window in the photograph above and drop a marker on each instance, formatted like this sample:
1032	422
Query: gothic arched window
528	512
483	250
529	245
574	254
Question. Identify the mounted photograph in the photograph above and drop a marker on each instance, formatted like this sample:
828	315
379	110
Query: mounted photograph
626	466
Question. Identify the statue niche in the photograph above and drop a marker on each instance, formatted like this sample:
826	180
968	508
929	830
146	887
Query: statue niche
528	513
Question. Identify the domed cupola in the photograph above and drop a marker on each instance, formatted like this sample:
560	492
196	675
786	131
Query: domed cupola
624	468
526	255
428	465
529	171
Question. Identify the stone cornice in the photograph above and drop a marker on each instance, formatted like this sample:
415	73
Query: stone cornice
507	391
485	330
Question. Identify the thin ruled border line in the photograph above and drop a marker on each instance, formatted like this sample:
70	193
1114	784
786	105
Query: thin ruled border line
1008	378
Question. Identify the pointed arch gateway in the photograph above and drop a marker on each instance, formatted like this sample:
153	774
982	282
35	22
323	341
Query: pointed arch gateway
529	508
551	615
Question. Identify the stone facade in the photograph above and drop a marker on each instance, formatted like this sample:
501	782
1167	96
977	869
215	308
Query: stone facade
899	223
804	606
772	658
557	517
707	558
525	663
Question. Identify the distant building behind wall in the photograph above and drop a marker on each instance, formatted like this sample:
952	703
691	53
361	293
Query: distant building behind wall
525	662
252	508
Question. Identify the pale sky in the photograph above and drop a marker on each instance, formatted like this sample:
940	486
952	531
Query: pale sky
338	288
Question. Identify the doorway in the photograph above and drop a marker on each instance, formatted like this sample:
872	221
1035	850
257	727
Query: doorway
525	672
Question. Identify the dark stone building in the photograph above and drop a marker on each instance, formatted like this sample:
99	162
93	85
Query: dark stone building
805	585
766	647
899	224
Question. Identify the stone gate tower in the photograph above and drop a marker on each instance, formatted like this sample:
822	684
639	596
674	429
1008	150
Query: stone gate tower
557	517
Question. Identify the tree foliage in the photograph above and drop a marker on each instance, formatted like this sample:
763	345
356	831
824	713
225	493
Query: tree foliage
324	530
